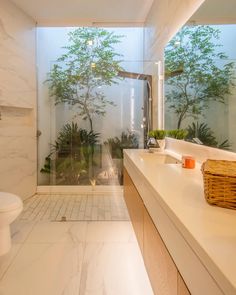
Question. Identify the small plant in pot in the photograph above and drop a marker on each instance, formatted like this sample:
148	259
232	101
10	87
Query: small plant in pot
159	136
177	133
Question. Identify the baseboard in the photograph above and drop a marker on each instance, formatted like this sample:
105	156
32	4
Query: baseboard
100	189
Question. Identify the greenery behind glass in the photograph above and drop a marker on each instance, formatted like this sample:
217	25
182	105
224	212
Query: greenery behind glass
199	77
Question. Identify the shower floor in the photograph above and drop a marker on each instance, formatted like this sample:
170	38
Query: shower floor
89	207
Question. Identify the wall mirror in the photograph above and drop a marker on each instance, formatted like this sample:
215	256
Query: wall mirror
200	80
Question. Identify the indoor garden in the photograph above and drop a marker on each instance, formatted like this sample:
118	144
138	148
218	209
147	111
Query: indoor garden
91	103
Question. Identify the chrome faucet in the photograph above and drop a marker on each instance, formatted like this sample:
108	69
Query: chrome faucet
152	143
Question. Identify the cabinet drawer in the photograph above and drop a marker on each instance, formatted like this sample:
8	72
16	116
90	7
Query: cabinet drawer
135	207
182	288
159	264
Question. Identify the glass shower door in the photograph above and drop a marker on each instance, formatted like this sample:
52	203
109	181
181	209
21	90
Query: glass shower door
79	156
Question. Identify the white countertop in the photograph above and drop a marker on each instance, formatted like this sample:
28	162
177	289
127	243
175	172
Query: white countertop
210	231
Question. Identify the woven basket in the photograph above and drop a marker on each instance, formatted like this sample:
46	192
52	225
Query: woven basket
220	183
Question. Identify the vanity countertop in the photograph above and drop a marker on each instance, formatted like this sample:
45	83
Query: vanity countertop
210	231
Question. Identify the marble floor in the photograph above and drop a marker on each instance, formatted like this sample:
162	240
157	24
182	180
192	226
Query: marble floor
96	207
73	258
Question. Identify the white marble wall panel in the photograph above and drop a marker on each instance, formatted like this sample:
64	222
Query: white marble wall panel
18	143
165	18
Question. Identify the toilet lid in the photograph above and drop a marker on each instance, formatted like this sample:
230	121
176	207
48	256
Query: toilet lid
9	202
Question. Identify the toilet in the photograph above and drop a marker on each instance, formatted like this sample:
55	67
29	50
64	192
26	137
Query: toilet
10	207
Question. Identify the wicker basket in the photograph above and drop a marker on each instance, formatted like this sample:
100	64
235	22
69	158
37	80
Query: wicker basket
220	183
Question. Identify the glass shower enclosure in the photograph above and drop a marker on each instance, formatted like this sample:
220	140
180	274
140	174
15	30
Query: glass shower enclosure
92	104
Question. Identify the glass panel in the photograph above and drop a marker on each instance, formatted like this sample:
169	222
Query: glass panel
85	148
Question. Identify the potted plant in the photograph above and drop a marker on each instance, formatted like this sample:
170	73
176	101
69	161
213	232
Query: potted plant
159	136
177	133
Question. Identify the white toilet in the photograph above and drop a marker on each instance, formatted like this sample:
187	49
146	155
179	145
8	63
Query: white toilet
10	207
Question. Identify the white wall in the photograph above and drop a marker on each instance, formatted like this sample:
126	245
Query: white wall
164	20
127	95
18	159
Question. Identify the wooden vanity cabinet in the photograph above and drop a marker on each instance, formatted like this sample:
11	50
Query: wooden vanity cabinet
159	264
162	271
135	207
182	288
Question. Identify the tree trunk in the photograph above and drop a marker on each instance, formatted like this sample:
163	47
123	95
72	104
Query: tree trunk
179	121
181	117
91	168
90	123
88	114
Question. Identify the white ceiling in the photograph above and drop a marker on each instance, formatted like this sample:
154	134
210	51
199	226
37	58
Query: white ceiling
77	12
216	12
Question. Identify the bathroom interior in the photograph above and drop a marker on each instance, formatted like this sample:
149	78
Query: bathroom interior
110	115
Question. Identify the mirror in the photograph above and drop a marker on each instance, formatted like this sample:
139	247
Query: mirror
200	80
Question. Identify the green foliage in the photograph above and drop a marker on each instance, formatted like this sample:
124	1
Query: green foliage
72	154
127	140
89	63
177	133
204	133
114	145
47	166
72	139
157	134
69	170
195	51
225	145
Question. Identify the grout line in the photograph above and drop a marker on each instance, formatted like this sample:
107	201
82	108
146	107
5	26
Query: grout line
12	261
75	208
49	203
39	207
59	209
83	258
17	253
80	204
56	201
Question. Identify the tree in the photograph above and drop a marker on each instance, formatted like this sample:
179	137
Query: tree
193	53
89	63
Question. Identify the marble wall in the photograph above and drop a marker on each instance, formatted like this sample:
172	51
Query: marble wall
164	20
18	141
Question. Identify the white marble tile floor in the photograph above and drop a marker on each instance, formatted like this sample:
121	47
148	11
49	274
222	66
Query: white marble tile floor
73	258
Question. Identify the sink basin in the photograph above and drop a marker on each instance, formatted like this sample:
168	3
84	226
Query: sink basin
158	158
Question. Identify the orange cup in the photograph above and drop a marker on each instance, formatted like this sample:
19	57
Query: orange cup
188	162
